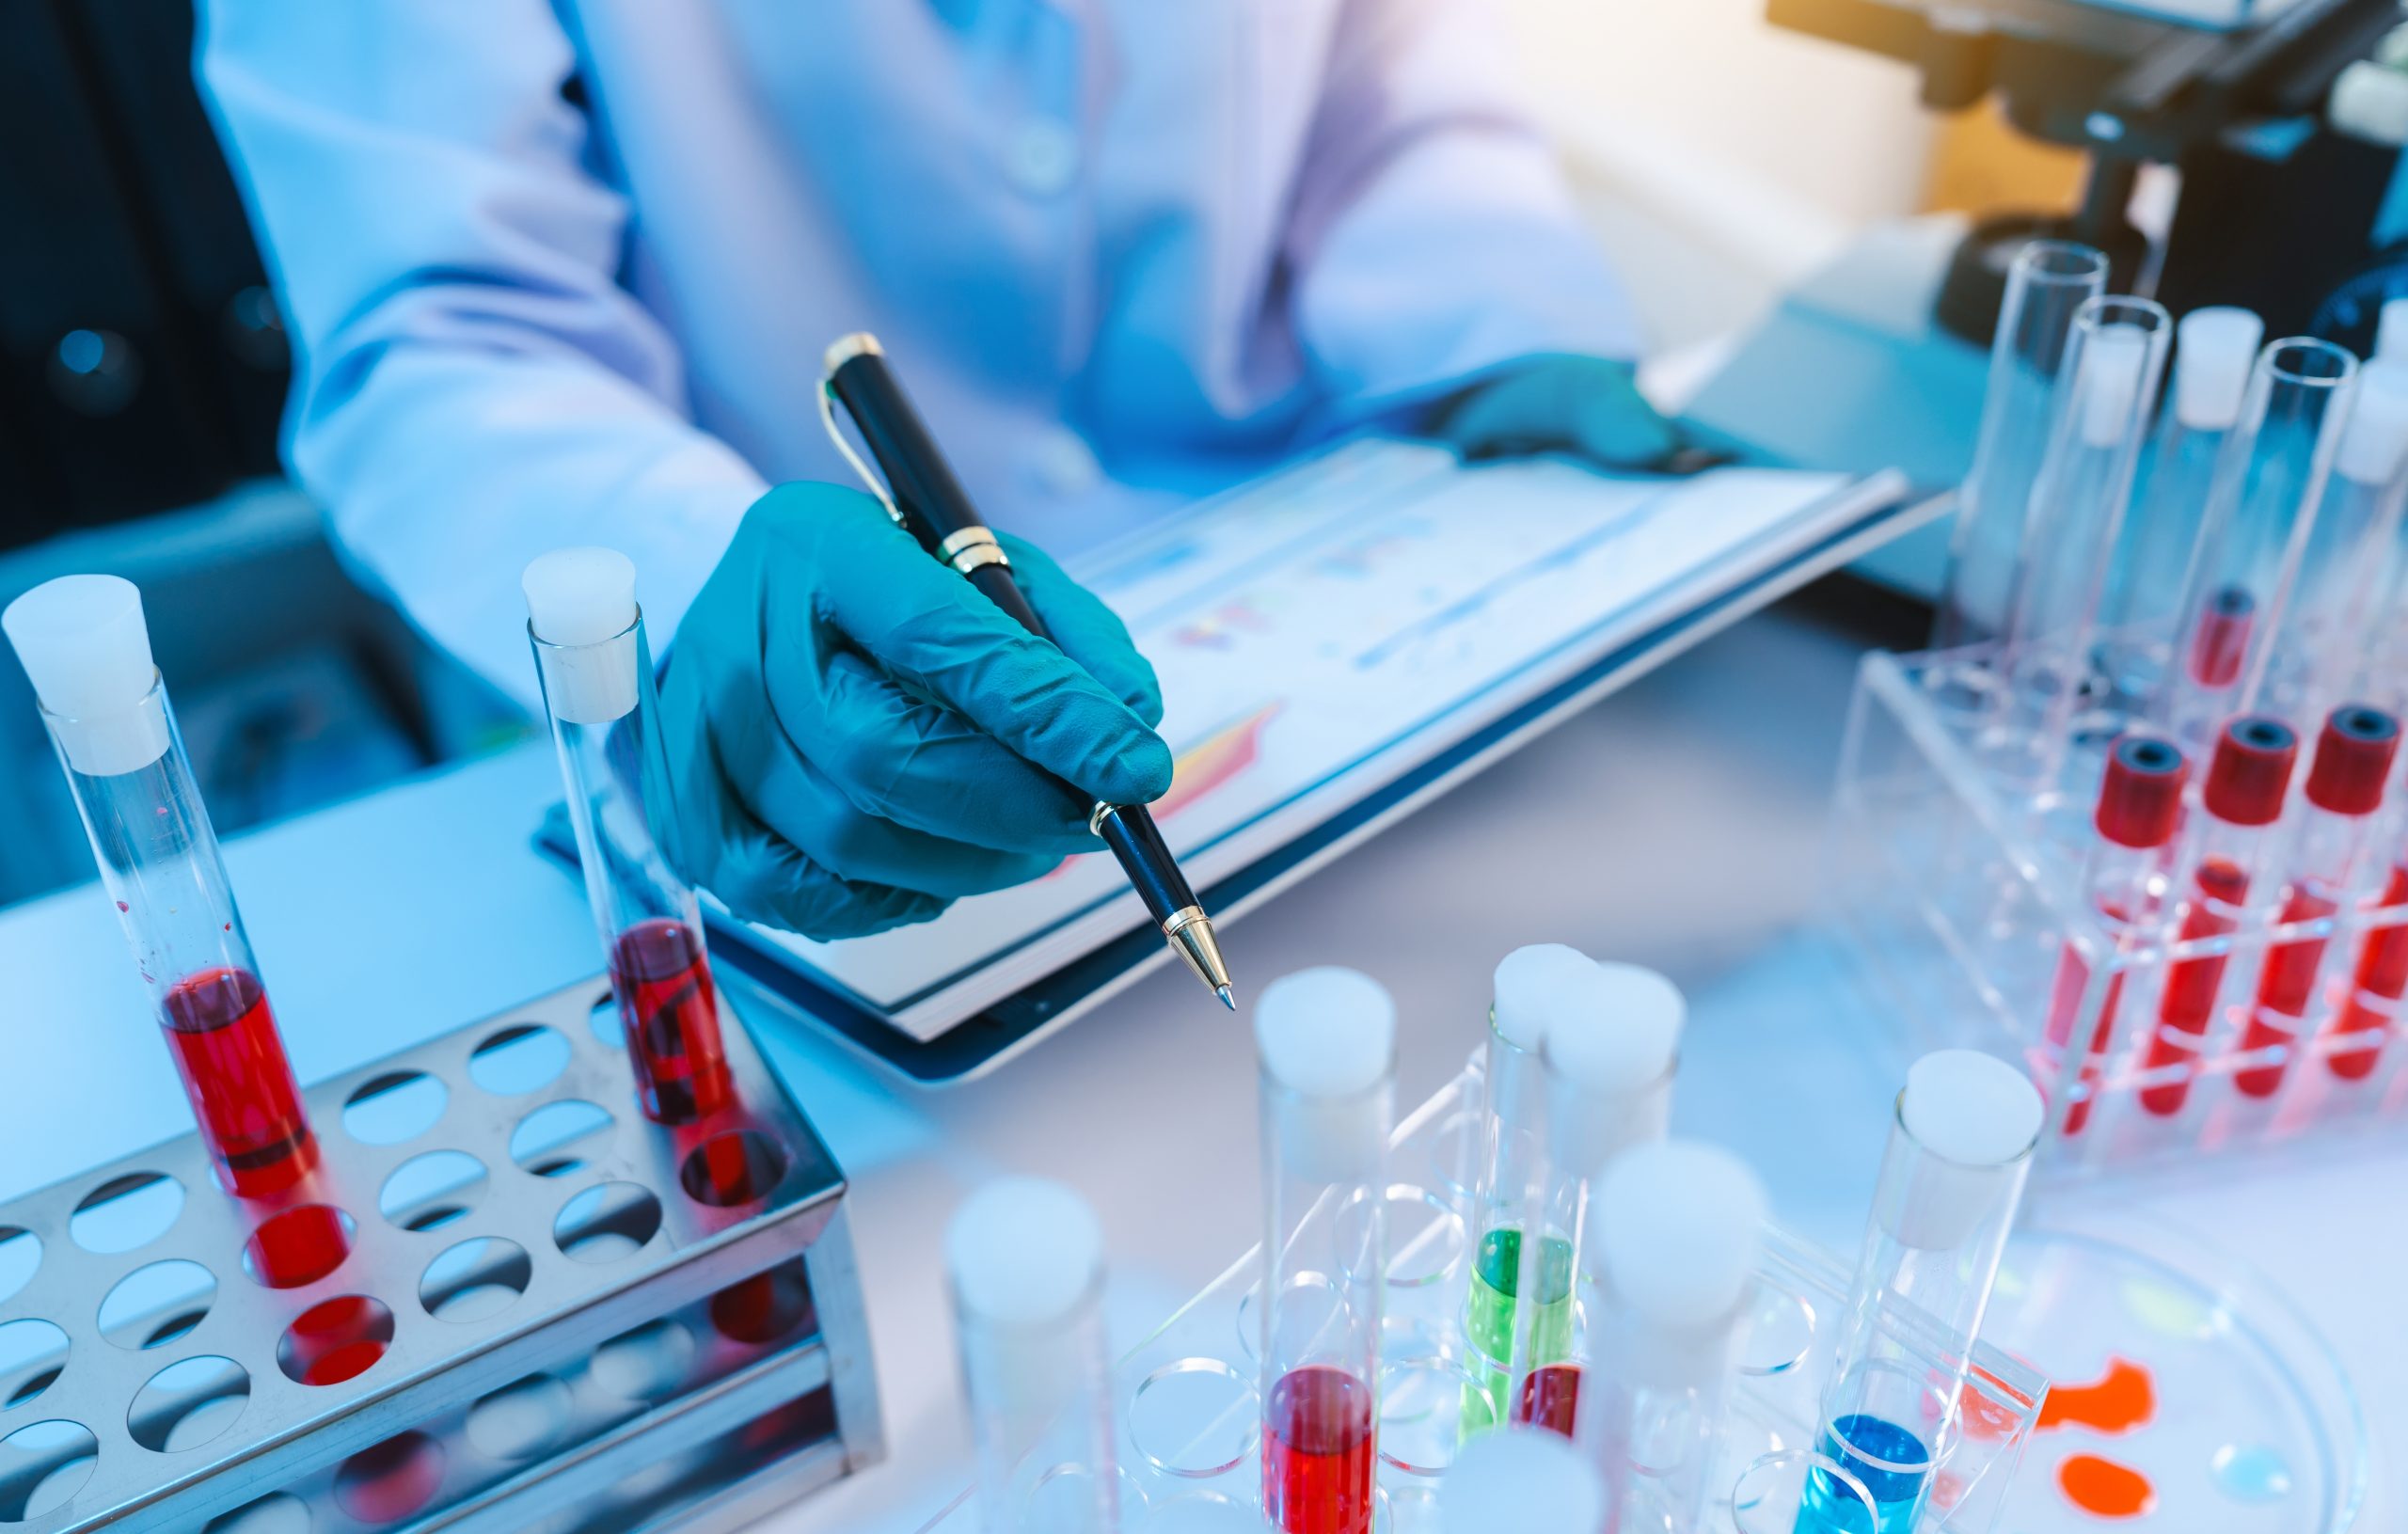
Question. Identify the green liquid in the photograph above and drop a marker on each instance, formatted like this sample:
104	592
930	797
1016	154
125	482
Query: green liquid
1489	1318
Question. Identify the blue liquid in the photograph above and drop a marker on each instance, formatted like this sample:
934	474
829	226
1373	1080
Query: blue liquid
1831	1507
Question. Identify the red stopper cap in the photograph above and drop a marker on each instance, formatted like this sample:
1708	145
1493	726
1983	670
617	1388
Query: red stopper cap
2353	757
2251	770
2142	798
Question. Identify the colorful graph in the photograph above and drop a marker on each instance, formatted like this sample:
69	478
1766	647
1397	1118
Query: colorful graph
1221	755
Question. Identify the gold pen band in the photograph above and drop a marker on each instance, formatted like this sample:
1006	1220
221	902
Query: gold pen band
1185	916
971	548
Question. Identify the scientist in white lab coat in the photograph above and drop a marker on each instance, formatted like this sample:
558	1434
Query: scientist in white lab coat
563	271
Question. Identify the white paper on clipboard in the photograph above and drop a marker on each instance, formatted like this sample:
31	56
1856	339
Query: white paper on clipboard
1321	632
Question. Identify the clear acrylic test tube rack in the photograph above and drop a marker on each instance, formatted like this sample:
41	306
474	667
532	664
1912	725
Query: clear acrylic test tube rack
1959	892
1189	1418
578	1319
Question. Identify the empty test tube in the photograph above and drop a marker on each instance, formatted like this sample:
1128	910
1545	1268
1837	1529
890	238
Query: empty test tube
1961	1149
87	650
2227	850
1674	1246
1326	1040
1025	1259
1526	1481
2326	862
1611	1053
2139	804
597	679
2047	282
2261	510
2317	649
2104	399
2213	349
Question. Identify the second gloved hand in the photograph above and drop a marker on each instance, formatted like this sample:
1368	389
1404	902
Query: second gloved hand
1587	406
858	737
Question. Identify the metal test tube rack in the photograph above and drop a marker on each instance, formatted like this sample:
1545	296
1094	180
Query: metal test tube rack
597	1323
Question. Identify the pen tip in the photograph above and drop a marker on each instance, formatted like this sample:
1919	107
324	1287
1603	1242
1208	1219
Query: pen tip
1227	1000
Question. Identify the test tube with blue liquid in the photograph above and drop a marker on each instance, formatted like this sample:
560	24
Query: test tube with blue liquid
1025	1259
1961	1149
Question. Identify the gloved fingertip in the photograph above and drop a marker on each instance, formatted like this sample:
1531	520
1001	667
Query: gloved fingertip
1139	774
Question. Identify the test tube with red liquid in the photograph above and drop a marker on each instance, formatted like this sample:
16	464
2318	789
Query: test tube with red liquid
2366	1014
87	650
2227	847
2139	804
2325	860
597	678
1326	1040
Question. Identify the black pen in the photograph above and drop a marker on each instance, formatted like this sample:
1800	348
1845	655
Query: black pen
922	494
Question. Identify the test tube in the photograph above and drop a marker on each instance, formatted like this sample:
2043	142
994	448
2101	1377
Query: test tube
598	680
2326	862
2227	853
2213	349
2104	398
2260	511
1674	1246
2046	284
1960	1148
2370	1008
1528	1481
87	650
1025	1259
2318	647
1326	1040
2139	804
1609	1063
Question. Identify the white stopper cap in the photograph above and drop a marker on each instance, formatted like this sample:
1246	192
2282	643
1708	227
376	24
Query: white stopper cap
2112	363
1676	1232
1521	1478
1974	1121
1327	1036
1024	1252
2376	440
1533	986
1198	1515
1619	1031
2391	326
87	650
2214	348
582	601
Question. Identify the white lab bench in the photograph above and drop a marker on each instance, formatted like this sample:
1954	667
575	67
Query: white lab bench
1678	824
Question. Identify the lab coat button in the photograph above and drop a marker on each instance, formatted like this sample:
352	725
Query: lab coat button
1042	157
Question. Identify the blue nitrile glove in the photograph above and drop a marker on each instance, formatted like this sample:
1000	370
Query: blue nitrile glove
1588	406
857	737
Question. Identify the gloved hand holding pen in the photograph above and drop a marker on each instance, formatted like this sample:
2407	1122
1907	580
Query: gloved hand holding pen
858	737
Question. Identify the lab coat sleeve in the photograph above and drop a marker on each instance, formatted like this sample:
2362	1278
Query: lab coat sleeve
1430	235
472	385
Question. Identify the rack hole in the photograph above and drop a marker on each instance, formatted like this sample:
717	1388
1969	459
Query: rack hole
647	1364
32	1352
477	1278
429	1190
299	1246
734	1168
20	1259
605	1222
522	1420
157	1303
188	1403
607	1024
335	1340
767	1307
1195	1419
274	1513
43	1467
560	1137
396	1106
518	1060
390	1482
125	1213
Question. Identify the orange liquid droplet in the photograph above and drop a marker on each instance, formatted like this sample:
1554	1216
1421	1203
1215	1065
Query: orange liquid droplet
2117	1401
2104	1489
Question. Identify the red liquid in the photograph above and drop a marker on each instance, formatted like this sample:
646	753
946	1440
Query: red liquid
227	1050
2382	974
1318	1453
670	1011
2284	991
1550	1399
2219	888
2222	638
298	1246
2073	978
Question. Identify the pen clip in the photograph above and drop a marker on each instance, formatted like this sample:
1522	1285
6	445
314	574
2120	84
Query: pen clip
828	419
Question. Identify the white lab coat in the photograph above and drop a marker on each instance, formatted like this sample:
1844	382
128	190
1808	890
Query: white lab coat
1122	252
